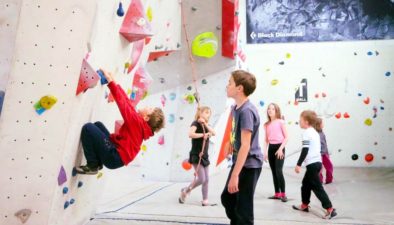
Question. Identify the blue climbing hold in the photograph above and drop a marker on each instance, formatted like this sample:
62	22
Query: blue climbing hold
65	190
120	11
359	94
388	73
66	204
80	183
261	103
369	53
171	118
381	108
74	172
72	201
172	96
103	80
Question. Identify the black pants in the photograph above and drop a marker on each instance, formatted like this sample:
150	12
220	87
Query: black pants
311	182
276	168
239	206
98	147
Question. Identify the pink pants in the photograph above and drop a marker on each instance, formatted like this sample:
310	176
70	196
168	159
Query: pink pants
327	164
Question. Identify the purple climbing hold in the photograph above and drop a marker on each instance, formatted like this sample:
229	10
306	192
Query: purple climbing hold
62	177
80	183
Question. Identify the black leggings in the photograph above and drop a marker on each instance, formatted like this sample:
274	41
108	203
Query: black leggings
311	182
276	168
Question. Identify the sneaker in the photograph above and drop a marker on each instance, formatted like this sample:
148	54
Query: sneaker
90	170
302	208
276	196
183	195
283	199
100	167
331	213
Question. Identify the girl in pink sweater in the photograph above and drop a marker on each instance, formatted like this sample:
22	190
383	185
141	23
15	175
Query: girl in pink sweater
274	149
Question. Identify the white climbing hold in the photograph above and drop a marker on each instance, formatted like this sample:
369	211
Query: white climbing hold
23	215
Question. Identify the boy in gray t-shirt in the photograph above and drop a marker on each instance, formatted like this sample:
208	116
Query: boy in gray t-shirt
238	194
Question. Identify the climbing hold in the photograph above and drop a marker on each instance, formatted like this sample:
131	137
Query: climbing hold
383	157
369	157
338	115
317	95
274	82
65	190
172	96
204	81
346	115
162	80
189	88
295	102
205	45
381	108
74	172
149	14
181	118
103	80
390	129
143	148
45	103
323	95
218	27
366	100
369	53
62	177
359	94
135	27
99	175
355	53
161	140
171	118
388	73
288	55
163	100
339	150
194	9
120	11
80	183
186	165
376	53
88	77
282	63
72	201
23	215
189	98
376	143
354	156
66	204
261	103
368	122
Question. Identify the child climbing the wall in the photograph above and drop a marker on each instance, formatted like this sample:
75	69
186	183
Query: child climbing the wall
311	155
274	149
325	157
118	149
238	194
199	132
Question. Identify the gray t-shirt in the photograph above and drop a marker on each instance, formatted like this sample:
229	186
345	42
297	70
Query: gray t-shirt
247	117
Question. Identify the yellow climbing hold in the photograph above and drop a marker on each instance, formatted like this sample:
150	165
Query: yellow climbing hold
149	14
274	82
143	148
268	70
189	98
205	45
48	101
99	175
368	122
128	91
288	55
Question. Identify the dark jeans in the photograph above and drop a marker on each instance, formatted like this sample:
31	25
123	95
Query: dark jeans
311	182
98	147
276	168
239	206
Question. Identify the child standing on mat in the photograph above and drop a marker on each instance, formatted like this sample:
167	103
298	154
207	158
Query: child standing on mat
275	140
118	149
325	157
311	155
238	194
199	132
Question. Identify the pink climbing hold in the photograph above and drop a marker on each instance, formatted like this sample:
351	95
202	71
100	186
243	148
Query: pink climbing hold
135	25
88	77
161	140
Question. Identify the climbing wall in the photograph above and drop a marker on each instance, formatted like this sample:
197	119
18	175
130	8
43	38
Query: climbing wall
349	85
53	89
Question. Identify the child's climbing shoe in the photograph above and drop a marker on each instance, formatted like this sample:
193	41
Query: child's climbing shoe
183	195
302	207
206	203
283	198
90	170
331	212
276	196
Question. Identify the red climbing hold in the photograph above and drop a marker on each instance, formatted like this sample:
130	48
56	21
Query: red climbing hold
88	77
369	157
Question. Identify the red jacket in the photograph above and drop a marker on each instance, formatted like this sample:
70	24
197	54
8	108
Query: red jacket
134	129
